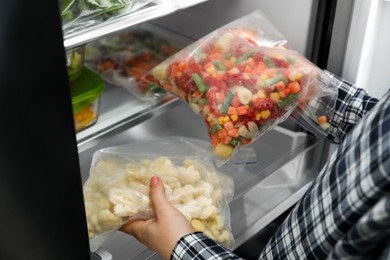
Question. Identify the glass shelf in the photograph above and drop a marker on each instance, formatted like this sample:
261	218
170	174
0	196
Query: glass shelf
123	21
120	110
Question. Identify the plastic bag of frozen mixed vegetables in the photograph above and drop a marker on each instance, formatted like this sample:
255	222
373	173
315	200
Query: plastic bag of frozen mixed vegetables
117	189
241	88
123	58
79	14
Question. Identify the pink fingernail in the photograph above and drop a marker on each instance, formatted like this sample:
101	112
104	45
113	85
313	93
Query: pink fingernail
153	181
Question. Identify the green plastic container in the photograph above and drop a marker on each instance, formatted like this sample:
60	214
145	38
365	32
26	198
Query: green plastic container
85	92
75	62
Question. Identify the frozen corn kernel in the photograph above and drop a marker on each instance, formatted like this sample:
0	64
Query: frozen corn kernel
275	97
223	150
210	69
197	225
261	94
295	76
265	114
264	77
258	116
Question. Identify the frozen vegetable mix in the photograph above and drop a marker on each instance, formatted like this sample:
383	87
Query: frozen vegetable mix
241	84
123	58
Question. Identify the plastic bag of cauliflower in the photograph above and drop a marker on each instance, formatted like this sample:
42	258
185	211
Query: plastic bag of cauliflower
117	189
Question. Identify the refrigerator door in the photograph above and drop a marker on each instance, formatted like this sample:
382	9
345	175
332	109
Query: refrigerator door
42	212
367	52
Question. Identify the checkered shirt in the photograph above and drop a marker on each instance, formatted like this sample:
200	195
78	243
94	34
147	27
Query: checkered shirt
345	214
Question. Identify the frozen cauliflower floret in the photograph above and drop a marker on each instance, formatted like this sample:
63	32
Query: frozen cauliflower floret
146	163
108	220
137	173
188	175
204	201
183	194
172	182
104	166
209	211
219	222
134	186
189	211
197	225
209	234
197	166
212	178
163	167
203	188
106	174
127	203
226	237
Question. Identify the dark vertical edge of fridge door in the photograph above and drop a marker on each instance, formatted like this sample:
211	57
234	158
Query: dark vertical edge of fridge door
323	28
340	36
42	212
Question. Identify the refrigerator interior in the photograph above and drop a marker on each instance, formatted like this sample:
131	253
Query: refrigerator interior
280	176
263	191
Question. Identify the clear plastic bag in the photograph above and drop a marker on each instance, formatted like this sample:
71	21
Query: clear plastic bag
124	57
317	106
241	88
117	189
80	14
257	29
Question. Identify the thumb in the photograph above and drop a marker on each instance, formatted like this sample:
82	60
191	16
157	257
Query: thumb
157	196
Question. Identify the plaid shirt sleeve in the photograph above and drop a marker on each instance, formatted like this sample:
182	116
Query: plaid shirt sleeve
351	105
345	214
198	246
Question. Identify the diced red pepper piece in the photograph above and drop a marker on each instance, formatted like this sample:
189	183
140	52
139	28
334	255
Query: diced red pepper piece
260	68
242	110
228	125
284	92
235	101
263	103
219	97
233	133
280	85
215	139
232	111
322	119
222	133
294	87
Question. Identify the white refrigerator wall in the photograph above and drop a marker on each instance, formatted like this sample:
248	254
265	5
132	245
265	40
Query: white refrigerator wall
368	53
292	18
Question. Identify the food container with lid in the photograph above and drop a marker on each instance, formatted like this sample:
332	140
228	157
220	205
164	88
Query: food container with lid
75	62
85	92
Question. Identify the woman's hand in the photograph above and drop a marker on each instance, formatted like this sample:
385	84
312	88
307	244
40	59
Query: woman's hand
161	233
